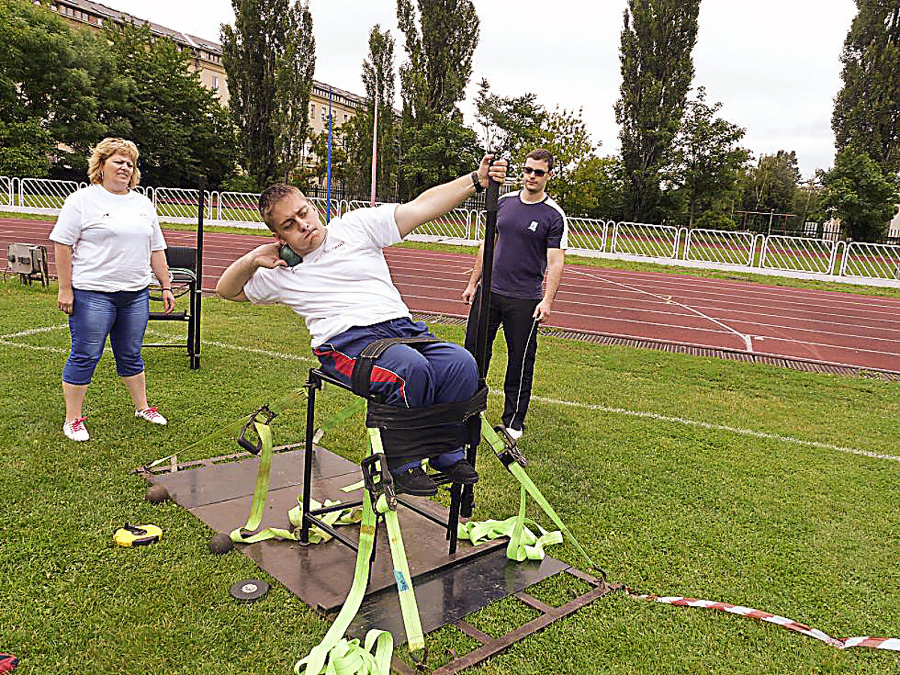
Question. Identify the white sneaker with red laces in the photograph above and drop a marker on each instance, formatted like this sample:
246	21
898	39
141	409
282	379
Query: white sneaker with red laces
151	415
75	430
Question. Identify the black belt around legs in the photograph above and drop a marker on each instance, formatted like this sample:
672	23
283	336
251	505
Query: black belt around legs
362	369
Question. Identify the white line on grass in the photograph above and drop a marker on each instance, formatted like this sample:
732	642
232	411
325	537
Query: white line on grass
715	427
263	352
34	331
543	399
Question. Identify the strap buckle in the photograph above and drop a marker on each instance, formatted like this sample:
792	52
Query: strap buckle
511	454
242	438
378	480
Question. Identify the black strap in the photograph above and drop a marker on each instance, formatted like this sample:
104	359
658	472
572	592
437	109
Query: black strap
362	369
392	417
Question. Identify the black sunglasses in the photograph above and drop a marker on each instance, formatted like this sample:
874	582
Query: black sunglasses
540	173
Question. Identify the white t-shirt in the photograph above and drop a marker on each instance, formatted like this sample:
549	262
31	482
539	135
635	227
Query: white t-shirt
343	283
111	237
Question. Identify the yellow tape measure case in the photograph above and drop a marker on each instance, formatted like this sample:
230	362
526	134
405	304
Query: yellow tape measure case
137	535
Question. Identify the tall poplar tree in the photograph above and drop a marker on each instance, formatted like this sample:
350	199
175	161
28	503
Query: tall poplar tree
657	40
378	79
867	109
440	40
270	57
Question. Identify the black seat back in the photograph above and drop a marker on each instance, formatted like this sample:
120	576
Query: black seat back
183	257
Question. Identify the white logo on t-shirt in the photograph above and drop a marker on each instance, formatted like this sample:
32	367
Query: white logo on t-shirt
533	226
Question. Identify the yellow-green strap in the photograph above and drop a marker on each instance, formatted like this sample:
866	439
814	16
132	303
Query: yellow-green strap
315	662
516	470
262	483
408	607
529	546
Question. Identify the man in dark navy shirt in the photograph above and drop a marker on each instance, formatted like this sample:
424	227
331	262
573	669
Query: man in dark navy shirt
532	237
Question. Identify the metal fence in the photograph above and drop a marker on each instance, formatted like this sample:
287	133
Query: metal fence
718	247
801	255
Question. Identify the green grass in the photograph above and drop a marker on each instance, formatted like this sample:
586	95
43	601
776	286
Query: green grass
664	505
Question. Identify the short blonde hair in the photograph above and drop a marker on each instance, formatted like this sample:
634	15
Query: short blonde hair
106	149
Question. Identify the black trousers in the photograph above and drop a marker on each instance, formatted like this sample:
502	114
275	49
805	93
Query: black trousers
516	315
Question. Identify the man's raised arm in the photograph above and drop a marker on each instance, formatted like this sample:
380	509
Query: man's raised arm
442	199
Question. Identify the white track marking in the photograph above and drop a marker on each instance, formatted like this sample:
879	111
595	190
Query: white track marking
570	404
713	427
747	339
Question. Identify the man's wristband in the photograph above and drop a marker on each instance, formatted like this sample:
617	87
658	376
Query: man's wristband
166	289
476	182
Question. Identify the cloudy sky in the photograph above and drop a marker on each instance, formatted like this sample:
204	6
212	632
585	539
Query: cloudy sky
773	64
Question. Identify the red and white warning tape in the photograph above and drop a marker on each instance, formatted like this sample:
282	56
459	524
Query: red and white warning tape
892	644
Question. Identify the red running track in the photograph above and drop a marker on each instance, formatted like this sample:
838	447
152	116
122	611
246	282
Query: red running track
824	326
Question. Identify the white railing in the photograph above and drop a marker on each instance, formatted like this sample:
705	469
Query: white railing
588	234
6	191
824	258
871	261
798	254
645	240
179	205
720	247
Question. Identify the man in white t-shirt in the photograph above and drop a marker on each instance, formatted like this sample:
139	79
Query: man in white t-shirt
343	290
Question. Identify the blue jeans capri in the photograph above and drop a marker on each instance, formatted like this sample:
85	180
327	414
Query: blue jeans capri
123	316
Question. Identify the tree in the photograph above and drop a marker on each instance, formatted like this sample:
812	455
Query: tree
706	161
378	78
657	40
566	136
48	93
772	184
440	49
510	125
318	171
867	109
596	189
269	57
440	40
440	149
861	195
181	129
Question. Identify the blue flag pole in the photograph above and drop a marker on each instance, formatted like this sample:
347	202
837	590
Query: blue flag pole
328	170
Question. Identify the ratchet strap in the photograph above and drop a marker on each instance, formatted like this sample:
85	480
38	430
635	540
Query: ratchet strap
336	655
510	456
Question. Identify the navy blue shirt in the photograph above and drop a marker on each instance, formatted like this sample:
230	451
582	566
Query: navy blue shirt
524	233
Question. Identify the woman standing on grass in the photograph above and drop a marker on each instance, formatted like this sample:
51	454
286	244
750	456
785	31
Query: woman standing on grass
106	241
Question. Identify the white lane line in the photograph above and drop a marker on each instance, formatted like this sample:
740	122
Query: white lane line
713	427
747	339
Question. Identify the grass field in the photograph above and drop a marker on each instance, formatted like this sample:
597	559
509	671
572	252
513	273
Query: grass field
741	486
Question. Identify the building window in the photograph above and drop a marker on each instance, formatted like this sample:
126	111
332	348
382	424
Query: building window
215	83
312	111
100	22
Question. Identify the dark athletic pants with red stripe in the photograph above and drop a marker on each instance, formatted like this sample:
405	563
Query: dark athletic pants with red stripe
409	376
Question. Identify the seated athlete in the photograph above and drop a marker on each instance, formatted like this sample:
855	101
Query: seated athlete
343	290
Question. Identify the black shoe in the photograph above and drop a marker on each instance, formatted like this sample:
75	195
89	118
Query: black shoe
414	481
462	472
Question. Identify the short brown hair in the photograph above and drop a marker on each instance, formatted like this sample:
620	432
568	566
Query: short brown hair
271	196
542	155
106	149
